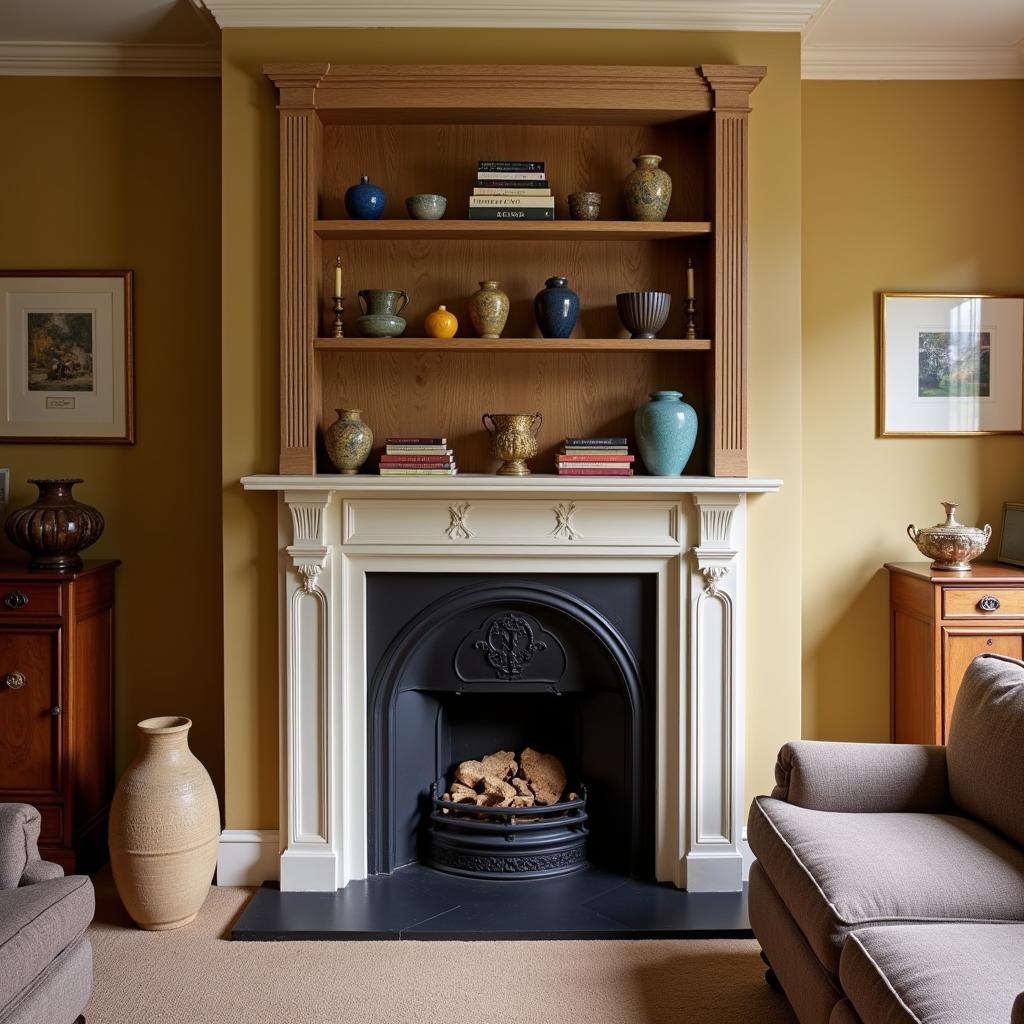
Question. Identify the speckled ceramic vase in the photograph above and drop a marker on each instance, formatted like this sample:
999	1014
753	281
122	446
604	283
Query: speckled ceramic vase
666	432
557	308
648	190
348	441
488	309
365	201
164	828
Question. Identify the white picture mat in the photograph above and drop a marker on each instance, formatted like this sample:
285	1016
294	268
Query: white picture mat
100	413
905	411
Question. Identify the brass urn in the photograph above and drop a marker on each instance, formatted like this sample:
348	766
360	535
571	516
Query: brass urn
951	545
513	439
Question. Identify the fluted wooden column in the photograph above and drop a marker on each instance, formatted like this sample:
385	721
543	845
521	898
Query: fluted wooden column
731	86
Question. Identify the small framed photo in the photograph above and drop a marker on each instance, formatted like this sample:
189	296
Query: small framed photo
951	365
1011	545
66	357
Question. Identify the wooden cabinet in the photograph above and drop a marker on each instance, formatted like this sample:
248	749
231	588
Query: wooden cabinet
939	623
56	705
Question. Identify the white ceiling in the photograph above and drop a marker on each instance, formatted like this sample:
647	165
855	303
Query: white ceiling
841	38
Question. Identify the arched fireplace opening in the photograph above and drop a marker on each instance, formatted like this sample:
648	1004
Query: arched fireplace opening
462	665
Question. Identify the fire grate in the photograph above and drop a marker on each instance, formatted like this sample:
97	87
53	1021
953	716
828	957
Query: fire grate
507	842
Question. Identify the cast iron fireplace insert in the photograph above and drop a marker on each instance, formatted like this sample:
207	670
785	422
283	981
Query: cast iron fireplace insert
464	664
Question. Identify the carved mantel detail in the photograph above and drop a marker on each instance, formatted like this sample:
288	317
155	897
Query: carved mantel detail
564	528
713	576
457	528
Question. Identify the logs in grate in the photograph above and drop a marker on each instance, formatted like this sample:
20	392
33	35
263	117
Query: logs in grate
505	818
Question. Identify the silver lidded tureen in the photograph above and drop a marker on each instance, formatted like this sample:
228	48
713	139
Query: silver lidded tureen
951	545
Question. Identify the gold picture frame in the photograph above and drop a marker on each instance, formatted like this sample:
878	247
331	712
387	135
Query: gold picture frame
908	406
66	357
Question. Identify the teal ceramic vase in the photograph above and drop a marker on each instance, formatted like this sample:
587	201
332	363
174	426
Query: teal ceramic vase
666	431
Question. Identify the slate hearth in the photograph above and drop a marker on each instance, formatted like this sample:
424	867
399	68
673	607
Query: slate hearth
418	903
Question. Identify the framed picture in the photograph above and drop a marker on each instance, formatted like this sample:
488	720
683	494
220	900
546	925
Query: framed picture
951	365
66	357
1011	545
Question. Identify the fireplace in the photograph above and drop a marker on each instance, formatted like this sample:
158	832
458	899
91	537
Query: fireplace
465	664
391	592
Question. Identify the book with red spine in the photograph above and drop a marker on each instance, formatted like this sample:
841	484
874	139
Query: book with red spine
433	460
596	456
564	471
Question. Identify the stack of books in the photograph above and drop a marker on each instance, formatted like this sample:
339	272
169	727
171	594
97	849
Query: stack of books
595	456
417	456
511	190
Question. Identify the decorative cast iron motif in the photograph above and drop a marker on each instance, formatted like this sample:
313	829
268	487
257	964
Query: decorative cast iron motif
457	528
510	645
563	522
486	864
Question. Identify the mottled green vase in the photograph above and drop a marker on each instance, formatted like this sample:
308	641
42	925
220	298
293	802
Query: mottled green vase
648	190
488	309
348	441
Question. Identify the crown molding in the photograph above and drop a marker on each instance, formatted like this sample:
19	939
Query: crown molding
697	15
131	60
865	63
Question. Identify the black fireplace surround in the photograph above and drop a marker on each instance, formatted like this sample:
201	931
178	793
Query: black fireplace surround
461	665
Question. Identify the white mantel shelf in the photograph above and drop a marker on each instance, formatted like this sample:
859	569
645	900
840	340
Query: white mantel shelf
537	483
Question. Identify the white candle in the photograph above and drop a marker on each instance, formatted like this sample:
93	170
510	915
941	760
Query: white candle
337	277
689	279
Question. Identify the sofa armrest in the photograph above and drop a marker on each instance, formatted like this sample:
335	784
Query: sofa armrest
862	777
20	863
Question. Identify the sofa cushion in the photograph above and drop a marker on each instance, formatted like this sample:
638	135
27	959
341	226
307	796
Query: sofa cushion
37	922
19	832
932	973
986	736
838	871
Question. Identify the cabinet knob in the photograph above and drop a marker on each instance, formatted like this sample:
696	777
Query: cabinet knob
989	603
14	680
55	710
16	599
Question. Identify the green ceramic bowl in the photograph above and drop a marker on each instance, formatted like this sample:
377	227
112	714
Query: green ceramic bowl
426	207
381	325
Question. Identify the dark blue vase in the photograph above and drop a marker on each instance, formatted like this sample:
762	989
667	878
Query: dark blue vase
557	308
365	201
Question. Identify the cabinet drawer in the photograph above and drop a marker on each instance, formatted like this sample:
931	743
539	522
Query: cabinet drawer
983	602
28	601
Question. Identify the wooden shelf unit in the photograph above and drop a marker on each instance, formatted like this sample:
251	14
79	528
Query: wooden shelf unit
410	129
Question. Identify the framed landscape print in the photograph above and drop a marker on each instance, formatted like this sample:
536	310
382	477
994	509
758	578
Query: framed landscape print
951	365
66	357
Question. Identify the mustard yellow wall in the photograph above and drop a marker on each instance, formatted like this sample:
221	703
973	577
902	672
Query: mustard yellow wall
250	246
124	173
908	186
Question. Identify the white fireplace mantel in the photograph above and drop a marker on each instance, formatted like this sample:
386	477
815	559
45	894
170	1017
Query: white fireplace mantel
688	531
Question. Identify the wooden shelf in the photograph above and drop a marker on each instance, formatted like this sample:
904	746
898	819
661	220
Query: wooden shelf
511	344
486	230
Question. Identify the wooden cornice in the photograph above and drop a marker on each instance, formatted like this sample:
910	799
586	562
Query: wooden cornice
732	84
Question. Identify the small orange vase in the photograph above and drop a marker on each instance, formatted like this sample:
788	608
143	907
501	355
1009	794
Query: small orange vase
441	323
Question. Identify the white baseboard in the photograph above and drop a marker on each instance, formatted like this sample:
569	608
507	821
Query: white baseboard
247	856
748	856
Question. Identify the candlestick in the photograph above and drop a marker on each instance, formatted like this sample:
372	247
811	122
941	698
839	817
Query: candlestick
337	277
339	326
689	279
691	326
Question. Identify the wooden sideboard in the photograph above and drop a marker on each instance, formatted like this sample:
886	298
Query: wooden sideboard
939	623
56	705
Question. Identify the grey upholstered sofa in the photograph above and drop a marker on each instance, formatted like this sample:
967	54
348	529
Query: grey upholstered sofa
889	881
45	959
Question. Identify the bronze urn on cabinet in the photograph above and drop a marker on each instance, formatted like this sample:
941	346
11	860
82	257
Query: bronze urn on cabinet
55	527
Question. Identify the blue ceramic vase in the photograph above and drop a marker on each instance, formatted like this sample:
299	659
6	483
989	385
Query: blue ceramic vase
666	431
557	308
365	201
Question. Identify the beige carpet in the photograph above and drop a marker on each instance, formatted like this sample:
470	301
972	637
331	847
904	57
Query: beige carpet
196	976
